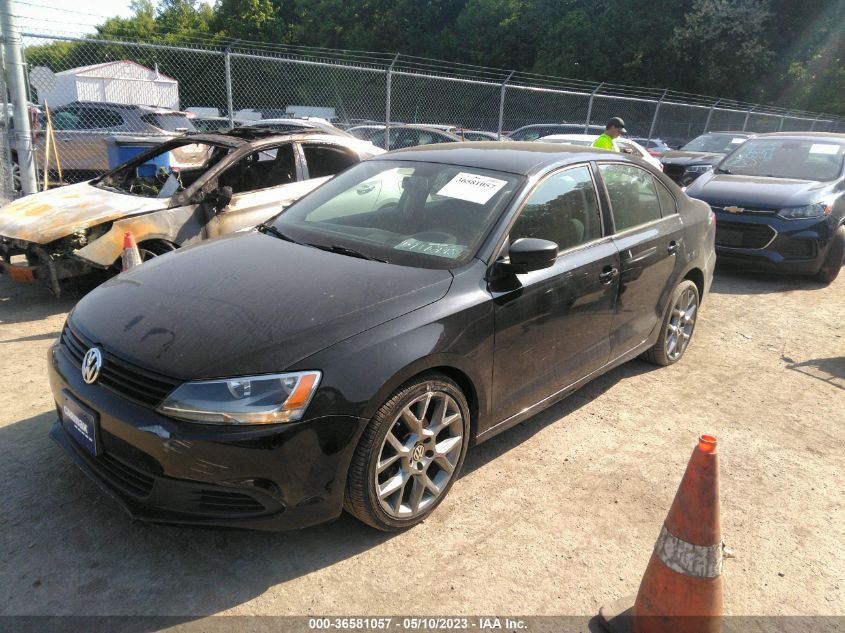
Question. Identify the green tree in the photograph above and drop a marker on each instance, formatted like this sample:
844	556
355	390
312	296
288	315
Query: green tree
722	48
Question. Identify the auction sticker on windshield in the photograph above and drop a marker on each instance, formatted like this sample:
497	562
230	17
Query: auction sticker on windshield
472	187
824	148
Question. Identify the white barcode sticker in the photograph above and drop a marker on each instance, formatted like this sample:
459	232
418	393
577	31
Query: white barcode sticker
472	187
824	148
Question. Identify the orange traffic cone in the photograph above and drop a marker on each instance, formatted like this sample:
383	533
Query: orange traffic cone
131	256
681	590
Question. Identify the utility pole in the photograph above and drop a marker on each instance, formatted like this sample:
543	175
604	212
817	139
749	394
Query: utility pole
17	89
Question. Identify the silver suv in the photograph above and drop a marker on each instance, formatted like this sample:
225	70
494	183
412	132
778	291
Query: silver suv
84	131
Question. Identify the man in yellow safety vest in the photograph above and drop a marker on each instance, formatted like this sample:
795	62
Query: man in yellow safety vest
612	130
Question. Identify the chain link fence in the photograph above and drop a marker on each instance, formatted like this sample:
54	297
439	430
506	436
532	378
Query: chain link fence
105	100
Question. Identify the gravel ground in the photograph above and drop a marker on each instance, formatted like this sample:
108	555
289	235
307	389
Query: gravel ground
556	516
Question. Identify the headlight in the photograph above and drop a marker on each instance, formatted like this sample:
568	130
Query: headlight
699	169
815	210
247	400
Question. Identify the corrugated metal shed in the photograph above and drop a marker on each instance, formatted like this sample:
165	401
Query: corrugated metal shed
121	81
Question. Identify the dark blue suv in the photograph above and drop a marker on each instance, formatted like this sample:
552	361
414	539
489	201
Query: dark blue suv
779	201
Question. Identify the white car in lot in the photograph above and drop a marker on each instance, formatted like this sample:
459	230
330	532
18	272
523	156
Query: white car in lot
184	191
587	139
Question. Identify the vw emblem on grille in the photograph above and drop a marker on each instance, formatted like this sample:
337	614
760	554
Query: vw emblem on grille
734	209
91	364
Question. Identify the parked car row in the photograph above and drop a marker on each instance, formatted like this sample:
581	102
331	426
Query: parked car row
365	316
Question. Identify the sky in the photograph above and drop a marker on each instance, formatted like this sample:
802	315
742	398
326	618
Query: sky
63	17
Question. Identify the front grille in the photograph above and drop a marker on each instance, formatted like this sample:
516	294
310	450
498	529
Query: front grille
743	235
123	378
798	248
124	476
750	210
673	171
223	502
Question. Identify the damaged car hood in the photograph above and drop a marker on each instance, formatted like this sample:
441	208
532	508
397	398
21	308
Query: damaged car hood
246	304
47	216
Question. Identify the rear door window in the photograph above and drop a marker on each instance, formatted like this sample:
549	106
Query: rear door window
668	205
96	118
326	160
632	194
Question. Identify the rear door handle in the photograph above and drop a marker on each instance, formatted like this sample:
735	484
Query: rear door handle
607	275
673	247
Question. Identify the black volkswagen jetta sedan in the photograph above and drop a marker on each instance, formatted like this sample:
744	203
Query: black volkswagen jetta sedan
780	204
347	353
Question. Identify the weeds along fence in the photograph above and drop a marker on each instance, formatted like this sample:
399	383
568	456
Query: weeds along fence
250	80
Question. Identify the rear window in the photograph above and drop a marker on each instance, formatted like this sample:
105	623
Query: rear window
169	122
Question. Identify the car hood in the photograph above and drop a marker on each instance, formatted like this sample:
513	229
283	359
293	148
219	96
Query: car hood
49	215
247	304
677	157
756	191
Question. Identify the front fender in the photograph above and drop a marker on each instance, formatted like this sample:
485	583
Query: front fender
180	226
361	373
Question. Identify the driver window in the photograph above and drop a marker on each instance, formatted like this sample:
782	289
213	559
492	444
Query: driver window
269	167
563	209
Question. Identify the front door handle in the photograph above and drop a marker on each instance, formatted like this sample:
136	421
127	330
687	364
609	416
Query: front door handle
364	189
607	275
673	247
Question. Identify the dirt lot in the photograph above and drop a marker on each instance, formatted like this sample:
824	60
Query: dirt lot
556	516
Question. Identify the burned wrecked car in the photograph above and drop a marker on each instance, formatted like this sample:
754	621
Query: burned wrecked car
183	191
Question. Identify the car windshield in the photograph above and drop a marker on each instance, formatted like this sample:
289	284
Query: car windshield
166	172
429	215
810	159
716	143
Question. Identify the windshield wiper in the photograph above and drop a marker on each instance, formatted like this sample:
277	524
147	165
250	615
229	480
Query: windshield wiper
272	230
344	250
722	170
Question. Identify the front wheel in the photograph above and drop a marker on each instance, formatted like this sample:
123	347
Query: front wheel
677	327
409	455
834	259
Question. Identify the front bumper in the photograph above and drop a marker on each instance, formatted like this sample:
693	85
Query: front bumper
166	471
47	270
681	174
769	243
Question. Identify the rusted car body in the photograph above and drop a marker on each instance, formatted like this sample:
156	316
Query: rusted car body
215	184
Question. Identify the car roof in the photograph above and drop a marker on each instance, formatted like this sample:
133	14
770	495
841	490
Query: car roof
121	106
828	136
569	137
242	136
516	157
733	132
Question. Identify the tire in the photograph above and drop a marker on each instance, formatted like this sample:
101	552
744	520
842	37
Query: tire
677	327
154	248
834	259
415	465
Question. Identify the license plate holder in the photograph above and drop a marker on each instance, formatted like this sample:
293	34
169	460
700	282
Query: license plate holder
81	423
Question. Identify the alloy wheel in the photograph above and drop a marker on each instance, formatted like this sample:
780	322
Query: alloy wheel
681	323
419	455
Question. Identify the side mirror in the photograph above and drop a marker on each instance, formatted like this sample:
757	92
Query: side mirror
527	254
